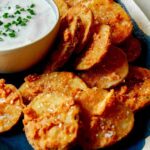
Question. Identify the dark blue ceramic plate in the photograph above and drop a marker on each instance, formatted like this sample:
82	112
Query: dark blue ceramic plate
137	140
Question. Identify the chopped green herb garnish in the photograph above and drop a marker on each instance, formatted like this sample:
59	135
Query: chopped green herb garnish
14	22
31	11
22	9
32	5
29	17
1	23
15	19
4	34
7	25
12	34
19	18
5	15
23	23
11	16
18	7
17	12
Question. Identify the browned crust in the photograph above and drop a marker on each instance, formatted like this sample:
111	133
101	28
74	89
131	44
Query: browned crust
11	106
111	71
67	40
135	92
111	13
96	50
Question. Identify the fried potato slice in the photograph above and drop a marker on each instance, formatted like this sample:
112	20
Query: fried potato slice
65	82
96	50
87	19
10	106
135	92
94	101
62	6
100	131
72	3
51	121
111	13
132	47
110	72
67	40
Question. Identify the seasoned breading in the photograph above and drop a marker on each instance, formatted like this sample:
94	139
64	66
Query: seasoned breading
10	106
111	13
73	2
64	82
110	72
100	131
132	47
96	50
51	121
62	6
94	101
67	40
135	92
87	20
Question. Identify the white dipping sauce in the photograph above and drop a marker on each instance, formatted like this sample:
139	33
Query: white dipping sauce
37	26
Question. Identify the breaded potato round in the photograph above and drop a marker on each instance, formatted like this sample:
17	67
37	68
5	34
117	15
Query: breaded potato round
135	92
11	106
62	6
87	20
111	13
111	71
64	82
72	3
100	131
68	38
96	50
94	101
132	47
51	121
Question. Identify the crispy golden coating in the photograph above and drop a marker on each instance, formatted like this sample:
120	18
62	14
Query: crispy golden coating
87	20
51	121
132	48
73	2
64	82
100	131
10	106
135	92
62	6
111	13
94	101
110	72
96	50
67	40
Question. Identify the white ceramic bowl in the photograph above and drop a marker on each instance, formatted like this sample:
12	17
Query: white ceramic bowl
22	58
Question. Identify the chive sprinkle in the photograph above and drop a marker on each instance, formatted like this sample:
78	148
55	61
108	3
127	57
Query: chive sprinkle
32	5
31	11
5	15
15	19
18	7
12	34
1	23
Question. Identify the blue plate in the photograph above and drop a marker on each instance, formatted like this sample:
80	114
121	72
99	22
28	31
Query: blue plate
16	140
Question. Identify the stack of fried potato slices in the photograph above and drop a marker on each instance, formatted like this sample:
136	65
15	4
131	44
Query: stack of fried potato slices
88	91
95	109
63	110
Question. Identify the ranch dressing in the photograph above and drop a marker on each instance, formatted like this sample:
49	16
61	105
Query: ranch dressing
24	21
